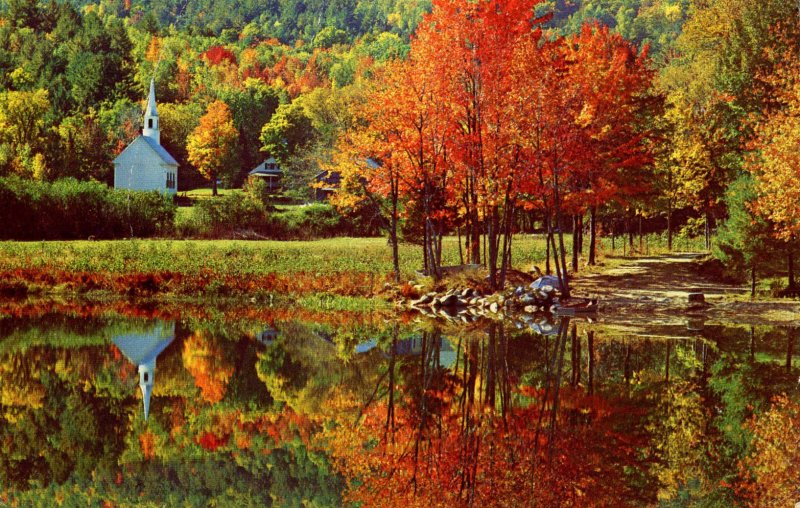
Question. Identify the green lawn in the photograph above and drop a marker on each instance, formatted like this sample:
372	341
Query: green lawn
207	192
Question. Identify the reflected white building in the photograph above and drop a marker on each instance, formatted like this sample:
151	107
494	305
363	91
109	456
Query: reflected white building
142	348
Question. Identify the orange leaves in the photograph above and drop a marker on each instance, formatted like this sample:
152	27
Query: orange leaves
206	362
147	440
153	54
771	468
211	442
212	145
776	162
217	54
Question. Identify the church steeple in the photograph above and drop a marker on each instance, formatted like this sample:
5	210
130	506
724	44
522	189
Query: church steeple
151	128
147	372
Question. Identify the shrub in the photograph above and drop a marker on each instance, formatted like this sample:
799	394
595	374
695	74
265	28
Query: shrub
318	220
72	209
224	216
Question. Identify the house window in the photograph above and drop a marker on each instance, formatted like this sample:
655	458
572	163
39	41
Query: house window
170	180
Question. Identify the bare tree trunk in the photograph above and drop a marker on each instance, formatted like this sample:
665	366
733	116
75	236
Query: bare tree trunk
575	243
590	346
669	225
641	236
789	349
460	252
592	236
629	227
548	238
753	280
395	247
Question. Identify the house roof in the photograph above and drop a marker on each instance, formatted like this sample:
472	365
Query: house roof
162	153
263	170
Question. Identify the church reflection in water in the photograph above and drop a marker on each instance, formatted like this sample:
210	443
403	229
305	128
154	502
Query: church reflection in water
142	348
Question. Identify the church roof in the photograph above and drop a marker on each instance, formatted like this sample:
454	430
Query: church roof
151	110
158	149
161	151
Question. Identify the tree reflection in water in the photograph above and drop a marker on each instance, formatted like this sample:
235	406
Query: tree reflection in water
386	412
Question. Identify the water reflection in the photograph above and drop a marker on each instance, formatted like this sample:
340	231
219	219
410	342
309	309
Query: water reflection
528	412
142	348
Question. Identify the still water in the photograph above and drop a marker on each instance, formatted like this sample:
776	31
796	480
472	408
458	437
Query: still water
141	407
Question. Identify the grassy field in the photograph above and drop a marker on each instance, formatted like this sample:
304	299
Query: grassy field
207	193
344	266
241	257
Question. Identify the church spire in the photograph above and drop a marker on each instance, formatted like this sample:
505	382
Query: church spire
147	372
151	128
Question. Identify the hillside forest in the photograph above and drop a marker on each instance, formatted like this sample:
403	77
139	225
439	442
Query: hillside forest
474	118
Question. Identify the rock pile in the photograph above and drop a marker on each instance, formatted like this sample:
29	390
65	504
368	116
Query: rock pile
466	302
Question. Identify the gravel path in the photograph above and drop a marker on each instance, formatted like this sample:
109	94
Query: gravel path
655	289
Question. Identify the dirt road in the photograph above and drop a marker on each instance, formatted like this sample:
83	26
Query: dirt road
656	289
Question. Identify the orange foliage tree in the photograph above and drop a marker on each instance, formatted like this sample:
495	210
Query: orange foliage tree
487	115
212	145
206	363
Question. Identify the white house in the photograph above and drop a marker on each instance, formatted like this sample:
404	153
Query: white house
141	349
145	164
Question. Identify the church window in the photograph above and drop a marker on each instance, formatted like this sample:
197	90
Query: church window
149	123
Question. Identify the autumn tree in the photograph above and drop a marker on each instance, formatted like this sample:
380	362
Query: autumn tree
776	165
711	87
363	157
467	47
22	128
613	80
745	240
212	145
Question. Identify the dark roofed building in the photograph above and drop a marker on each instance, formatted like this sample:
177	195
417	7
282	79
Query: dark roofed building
269	172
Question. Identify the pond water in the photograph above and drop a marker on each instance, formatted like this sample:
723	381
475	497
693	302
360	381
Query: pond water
297	409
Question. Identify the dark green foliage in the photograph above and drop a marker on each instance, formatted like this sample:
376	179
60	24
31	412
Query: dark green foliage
251	108
224	216
69	209
288	131
248	216
745	241
318	221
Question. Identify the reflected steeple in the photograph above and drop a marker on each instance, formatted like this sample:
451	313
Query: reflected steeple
142	348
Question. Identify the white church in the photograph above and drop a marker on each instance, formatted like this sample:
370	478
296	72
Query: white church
145	165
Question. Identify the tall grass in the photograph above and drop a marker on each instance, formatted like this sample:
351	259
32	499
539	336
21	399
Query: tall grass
243	257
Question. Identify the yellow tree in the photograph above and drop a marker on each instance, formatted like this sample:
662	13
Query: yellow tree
212	145
22	129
